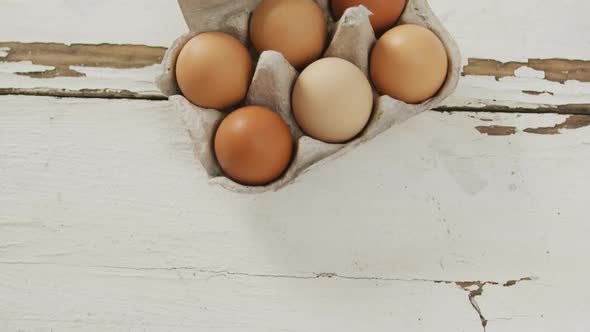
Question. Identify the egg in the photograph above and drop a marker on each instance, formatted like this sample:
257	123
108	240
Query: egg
332	100
253	145
295	28
385	12
409	63
213	70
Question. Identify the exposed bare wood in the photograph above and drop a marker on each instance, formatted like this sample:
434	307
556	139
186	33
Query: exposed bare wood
573	122
496	130
556	70
61	56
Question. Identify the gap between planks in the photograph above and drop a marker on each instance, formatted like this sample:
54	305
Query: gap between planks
573	109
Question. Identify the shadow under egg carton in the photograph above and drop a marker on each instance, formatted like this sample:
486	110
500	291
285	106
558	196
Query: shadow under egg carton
352	39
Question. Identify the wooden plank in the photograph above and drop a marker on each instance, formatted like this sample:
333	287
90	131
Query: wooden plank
63	58
509	66
128	71
438	223
80	70
133	159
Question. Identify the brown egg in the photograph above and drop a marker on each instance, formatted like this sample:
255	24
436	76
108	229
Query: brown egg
214	70
409	63
385	12
296	28
332	100
253	145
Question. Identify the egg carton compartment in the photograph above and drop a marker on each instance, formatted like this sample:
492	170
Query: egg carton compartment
352	39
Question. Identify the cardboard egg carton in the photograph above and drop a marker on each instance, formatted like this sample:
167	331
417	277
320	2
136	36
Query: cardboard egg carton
351	38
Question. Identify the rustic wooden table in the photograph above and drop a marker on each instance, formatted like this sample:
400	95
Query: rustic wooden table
470	217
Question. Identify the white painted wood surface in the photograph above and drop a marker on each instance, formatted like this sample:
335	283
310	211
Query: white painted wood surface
107	222
488	29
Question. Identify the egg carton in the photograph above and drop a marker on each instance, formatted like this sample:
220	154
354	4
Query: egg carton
351	38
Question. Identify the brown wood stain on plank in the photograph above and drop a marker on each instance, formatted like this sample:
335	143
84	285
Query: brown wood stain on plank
572	122
63	56
556	70
496	130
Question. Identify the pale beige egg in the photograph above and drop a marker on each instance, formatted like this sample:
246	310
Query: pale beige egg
332	100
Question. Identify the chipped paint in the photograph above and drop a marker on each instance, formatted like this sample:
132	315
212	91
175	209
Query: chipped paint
480	118
537	93
4	51
527	72
473	293
475	289
555	70
572	122
496	130
61	57
511	283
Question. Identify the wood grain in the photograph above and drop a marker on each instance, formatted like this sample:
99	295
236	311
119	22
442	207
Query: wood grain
102	200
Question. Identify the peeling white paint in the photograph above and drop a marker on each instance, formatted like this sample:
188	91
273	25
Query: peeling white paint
528	72
4	51
10	68
489	91
145	74
135	80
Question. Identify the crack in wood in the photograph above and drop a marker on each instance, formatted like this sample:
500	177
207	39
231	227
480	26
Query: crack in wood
62	56
573	109
537	93
556	70
473	293
475	289
321	275
82	93
483	119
